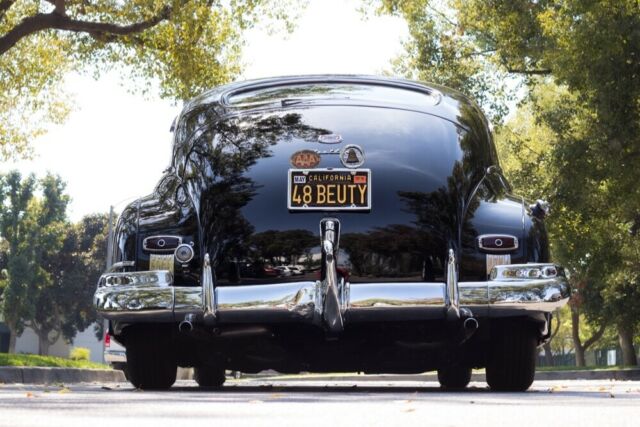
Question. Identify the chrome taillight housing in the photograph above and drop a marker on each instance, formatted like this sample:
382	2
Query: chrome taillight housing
494	243
164	244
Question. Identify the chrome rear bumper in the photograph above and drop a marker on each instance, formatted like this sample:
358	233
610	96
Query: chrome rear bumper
149	296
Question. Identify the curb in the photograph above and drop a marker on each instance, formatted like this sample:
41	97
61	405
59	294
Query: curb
40	375
632	374
620	375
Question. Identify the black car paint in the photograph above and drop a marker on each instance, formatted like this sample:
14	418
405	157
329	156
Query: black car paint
226	190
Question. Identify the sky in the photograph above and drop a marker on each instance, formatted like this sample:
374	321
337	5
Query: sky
115	144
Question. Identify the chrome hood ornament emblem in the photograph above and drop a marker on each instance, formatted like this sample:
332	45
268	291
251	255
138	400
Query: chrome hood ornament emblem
331	138
352	156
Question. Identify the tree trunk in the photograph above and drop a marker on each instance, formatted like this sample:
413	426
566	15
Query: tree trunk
12	341
575	334
43	344
13	336
548	355
580	347
625	337
580	360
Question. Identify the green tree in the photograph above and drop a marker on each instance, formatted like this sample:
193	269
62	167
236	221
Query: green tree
532	149
586	54
68	304
439	51
36	231
185	46
15	196
51	266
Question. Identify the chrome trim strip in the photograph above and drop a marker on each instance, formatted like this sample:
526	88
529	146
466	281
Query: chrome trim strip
161	236
260	84
509	249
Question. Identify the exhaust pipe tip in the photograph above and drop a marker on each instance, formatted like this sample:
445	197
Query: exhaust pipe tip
185	326
471	324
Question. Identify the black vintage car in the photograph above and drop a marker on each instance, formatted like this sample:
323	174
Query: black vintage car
332	223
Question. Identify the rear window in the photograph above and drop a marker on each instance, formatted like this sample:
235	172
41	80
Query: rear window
293	93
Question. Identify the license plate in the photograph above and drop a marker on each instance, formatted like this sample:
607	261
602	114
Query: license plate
329	189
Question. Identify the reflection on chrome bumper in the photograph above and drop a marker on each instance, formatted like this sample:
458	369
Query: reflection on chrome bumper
511	290
143	294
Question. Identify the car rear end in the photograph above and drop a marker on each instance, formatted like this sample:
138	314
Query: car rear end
388	192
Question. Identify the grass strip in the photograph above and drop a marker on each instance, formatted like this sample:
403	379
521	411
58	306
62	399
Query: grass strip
47	361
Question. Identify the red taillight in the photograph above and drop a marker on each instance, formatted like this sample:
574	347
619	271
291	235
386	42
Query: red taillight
107	339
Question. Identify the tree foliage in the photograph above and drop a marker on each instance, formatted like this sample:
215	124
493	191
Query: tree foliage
439	51
75	271
33	228
183	46
51	266
575	138
591	115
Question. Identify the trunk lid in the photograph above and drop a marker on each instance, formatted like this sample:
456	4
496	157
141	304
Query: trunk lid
423	169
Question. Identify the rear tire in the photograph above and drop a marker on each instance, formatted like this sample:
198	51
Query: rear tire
511	364
209	376
454	377
151	362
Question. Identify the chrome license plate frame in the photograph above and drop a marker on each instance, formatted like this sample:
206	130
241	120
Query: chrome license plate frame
352	189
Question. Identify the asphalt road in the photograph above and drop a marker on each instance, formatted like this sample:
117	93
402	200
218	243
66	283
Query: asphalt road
320	402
